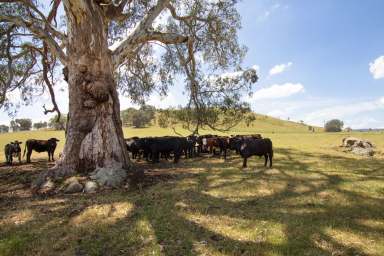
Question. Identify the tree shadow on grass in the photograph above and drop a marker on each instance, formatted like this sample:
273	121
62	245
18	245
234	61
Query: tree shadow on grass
305	205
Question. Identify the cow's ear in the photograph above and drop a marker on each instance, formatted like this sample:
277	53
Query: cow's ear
20	142
57	140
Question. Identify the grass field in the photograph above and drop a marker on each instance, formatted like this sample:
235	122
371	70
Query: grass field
316	200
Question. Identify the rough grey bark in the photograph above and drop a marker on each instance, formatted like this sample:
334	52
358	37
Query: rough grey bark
94	131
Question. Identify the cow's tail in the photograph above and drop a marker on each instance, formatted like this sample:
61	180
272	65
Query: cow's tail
25	148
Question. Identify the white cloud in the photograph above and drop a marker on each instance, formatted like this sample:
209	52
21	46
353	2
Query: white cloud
269	11
280	68
277	91
363	123
377	68
277	113
351	110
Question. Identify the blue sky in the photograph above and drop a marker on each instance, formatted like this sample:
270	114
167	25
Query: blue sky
314	62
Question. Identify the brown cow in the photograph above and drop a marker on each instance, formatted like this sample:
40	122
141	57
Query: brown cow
40	146
221	142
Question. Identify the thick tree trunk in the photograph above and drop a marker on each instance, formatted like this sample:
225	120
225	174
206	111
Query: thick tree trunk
94	131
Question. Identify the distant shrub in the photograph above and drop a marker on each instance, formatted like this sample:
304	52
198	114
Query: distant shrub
22	124
334	125
138	118
4	128
40	125
56	124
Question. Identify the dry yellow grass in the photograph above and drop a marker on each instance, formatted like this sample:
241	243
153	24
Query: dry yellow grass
316	200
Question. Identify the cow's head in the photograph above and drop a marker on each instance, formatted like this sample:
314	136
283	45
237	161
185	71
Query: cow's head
16	147
234	142
53	142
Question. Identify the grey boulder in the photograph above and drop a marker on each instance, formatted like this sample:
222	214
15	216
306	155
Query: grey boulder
74	187
109	177
90	187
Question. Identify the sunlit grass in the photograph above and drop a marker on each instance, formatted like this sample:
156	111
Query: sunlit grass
316	200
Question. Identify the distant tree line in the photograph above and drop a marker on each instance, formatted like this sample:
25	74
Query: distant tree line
166	118
26	124
138	118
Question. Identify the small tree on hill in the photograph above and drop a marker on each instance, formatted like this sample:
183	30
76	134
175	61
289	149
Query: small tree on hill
334	125
23	124
58	124
40	125
249	119
4	128
138	117
14	126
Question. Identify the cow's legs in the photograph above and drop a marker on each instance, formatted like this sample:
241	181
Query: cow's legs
52	154
244	162
270	160
155	156
49	156
266	159
29	153
225	154
19	156
177	157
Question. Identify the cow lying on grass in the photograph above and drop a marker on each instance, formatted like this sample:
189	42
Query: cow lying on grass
248	147
12	150
40	146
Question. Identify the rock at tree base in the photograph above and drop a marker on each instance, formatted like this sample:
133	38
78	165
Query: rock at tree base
47	187
358	146
109	177
90	187
74	187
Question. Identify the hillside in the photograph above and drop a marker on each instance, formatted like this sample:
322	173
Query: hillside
263	124
267	124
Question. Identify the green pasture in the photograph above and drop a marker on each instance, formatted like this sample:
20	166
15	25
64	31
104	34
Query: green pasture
316	200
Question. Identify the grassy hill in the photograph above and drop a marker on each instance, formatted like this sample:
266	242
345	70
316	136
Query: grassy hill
316	200
263	124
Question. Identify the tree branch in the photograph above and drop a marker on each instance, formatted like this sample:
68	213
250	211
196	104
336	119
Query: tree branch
44	62
115	12
140	31
172	9
38	32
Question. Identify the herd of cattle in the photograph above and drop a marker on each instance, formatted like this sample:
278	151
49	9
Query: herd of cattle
154	148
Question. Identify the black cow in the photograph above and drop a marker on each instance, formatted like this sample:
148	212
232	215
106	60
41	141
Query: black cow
191	145
165	146
248	147
40	146
134	146
12	150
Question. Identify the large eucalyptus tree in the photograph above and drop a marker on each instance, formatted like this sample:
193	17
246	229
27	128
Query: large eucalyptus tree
107	46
